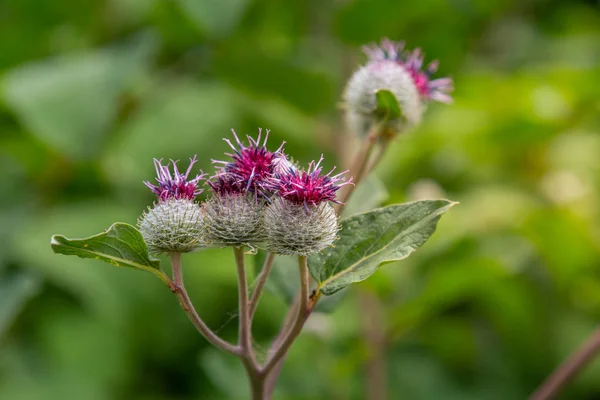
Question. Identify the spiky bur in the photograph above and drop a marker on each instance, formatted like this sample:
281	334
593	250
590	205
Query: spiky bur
301	221
175	223
298	230
234	219
172	226
392	68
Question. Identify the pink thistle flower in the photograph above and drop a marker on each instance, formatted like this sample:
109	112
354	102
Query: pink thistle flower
176	185
310	187
252	169
412	61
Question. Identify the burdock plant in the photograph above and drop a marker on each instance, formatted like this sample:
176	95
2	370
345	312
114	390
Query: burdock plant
261	205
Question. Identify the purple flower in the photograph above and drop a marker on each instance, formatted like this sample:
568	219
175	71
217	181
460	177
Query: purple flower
310	187
251	169
224	184
177	185
412	61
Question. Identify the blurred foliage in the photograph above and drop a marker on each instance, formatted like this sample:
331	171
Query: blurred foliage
91	91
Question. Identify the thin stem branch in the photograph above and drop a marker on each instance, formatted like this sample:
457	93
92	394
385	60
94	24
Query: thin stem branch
288	322
260	283
245	323
568	369
303	312
257	382
381	150
359	166
179	289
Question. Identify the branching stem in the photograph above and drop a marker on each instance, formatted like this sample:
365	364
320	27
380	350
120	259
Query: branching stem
179	290
245	328
301	316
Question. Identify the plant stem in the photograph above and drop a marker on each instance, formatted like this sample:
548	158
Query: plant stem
245	329
260	283
302	315
381	150
359	166
245	339
568	369
179	289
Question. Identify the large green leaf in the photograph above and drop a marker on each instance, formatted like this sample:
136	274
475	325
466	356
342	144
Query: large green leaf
368	240
122	245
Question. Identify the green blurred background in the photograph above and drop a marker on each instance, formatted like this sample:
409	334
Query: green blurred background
91	91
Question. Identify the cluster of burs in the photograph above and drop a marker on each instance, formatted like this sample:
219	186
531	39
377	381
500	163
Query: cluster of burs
261	200
257	199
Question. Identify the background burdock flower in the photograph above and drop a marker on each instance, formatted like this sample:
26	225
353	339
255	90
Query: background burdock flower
300	221
437	89
392	68
176	185
251	166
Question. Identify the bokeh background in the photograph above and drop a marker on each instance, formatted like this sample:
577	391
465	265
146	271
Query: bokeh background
91	91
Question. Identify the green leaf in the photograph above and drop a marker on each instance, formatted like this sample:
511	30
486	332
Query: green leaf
387	105
368	240
122	245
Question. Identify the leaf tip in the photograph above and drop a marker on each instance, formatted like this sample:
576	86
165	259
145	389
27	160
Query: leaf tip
54	242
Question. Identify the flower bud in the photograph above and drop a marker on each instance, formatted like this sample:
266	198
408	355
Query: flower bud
391	68
294	229
172	226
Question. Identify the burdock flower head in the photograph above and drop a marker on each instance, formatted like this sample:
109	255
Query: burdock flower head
175	224
241	188
251	166
401	72
301	221
176	185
